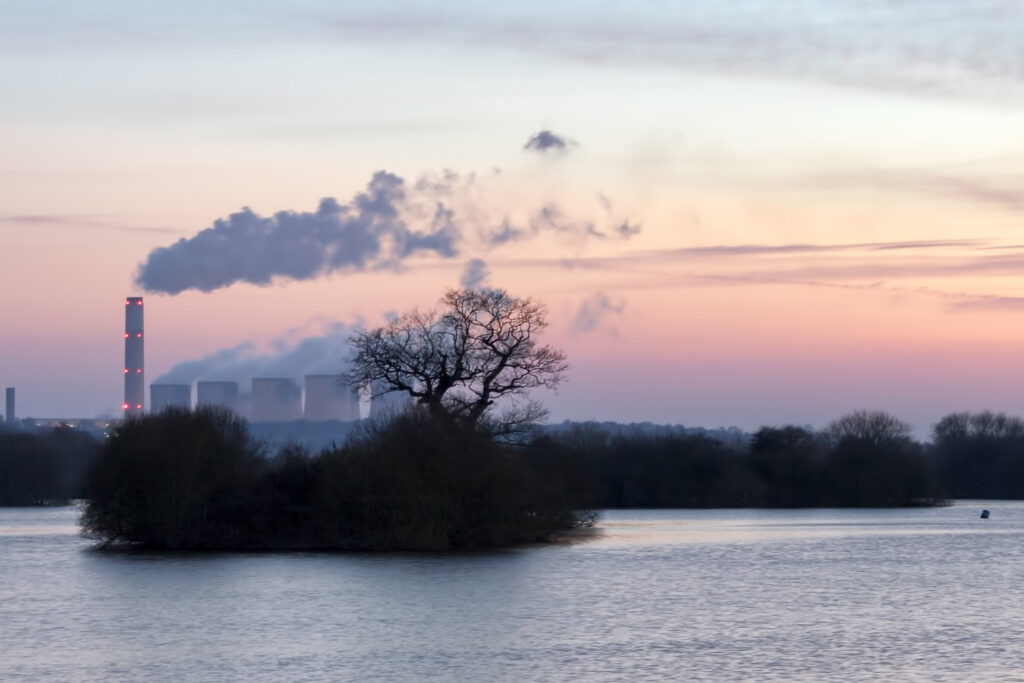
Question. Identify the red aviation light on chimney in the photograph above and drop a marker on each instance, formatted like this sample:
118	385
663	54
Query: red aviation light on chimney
139	302
125	406
126	371
127	303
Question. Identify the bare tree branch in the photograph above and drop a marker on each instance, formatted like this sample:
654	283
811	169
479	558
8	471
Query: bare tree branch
460	362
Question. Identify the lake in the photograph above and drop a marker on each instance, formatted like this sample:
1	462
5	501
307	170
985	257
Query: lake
924	594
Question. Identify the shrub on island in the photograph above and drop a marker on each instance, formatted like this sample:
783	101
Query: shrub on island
197	480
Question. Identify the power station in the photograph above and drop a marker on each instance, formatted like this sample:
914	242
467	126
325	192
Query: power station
328	398
163	396
210	393
134	376
275	399
272	399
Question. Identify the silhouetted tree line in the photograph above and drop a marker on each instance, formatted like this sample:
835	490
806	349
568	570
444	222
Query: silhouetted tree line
44	467
198	480
862	460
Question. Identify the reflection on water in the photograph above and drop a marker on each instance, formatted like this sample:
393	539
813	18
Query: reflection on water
921	594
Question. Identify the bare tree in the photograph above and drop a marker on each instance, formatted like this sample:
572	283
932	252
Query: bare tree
874	427
481	347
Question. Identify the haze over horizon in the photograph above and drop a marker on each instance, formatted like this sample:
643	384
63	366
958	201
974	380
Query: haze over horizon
759	213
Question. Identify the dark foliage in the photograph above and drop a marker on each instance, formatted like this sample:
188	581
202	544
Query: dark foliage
859	463
980	455
196	480
44	468
176	480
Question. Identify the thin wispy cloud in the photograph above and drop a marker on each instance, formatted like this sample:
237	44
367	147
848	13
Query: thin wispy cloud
594	312
80	221
957	49
1003	192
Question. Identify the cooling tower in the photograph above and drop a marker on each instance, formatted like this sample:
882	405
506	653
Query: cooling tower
328	398
385	405
9	414
217	394
134	377
167	395
275	399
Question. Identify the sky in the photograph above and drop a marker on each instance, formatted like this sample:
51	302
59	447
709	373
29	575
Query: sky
760	212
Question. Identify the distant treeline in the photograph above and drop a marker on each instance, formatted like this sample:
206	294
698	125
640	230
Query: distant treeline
863	459
45	467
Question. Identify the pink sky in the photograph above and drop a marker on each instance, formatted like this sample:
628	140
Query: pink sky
817	233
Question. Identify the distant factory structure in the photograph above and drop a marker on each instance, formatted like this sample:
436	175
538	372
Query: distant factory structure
134	375
328	398
275	399
319	398
272	399
163	396
218	393
9	415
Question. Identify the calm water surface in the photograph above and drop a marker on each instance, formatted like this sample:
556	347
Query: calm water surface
722	595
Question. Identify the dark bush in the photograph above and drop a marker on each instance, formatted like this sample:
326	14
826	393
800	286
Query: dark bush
45	467
184	480
179	479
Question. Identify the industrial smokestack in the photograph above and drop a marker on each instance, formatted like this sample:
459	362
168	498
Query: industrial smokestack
217	394
134	377
328	398
275	399
169	395
9	414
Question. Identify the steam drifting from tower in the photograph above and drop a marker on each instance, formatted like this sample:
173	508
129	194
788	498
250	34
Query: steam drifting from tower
134	377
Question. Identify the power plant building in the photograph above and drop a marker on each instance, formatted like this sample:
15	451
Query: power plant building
9	415
163	396
328	398
216	393
275	399
134	376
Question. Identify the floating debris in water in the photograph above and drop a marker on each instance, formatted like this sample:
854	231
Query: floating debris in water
984	514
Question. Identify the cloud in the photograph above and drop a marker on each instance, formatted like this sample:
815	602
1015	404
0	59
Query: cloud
545	141
475	274
956	48
1005	192
368	232
81	221
594	311
551	219
381	227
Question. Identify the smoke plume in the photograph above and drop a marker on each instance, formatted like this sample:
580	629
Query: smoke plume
593	311
368	232
323	353
475	274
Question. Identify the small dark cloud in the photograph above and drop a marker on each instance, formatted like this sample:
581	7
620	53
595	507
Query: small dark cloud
593	312
475	274
545	141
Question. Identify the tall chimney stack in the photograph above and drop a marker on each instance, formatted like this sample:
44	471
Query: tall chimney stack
134	377
9	415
